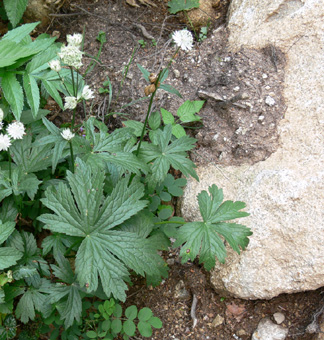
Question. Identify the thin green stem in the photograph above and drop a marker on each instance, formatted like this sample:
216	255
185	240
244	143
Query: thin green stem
73	119
72	156
161	74
186	15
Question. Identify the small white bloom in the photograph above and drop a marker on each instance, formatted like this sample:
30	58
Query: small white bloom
1	115
71	55
55	65
1	125
67	134
87	93
16	130
75	39
4	142
183	39
70	103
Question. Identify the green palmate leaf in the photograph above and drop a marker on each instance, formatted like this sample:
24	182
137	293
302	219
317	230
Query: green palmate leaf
82	210
9	257
25	243
58	243
68	296
32	93
15	10
176	6
163	154
13	93
28	156
24	183
112	149
32	300
203	238
187	111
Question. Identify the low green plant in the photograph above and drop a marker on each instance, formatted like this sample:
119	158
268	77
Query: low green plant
109	321
142	43
83	212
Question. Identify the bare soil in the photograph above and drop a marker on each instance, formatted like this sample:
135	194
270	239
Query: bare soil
244	104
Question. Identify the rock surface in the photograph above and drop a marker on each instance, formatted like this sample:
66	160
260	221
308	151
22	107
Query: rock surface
284	193
267	330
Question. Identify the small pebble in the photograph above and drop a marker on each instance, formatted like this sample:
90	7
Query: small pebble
176	73
270	101
279	318
264	76
236	88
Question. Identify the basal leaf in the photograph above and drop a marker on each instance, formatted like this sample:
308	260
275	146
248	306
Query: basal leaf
203	238
82	210
18	34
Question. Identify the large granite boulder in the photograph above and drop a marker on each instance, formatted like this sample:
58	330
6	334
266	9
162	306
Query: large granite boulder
284	193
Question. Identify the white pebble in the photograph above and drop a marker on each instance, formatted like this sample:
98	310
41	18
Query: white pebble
270	101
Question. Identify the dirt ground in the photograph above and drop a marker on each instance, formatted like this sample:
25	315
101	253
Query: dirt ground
244	103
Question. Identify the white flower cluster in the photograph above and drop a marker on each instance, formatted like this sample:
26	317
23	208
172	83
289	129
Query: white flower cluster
71	102
67	134
15	130
183	39
71	54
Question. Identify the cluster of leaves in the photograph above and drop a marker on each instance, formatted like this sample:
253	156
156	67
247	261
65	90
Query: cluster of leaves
108	322
79	216
25	73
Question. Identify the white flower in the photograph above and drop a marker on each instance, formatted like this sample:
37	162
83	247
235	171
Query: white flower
71	55
70	103
1	125
67	134
1	115
16	130
183	39
75	39
55	65
4	142
87	93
